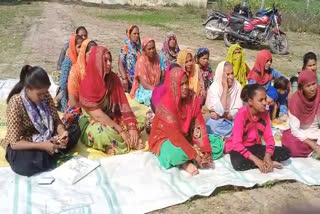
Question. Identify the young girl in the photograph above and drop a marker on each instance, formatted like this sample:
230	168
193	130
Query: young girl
309	63
36	136
251	123
202	59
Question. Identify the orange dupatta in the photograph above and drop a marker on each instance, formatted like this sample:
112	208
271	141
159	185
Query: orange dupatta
78	70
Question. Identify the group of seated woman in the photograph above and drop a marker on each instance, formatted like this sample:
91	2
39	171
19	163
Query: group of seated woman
176	84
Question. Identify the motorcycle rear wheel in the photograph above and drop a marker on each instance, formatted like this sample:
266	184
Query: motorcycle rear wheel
229	39
212	35
278	44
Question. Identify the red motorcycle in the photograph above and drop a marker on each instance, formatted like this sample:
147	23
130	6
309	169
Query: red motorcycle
264	28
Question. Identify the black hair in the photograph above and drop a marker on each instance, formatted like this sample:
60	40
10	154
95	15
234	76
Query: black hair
81	28
174	65
249	91
308	56
293	79
90	45
281	83
30	77
201	55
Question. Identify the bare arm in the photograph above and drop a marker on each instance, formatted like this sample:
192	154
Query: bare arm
73	101
274	111
122	70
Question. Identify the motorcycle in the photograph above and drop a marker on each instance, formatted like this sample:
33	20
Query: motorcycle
264	28
217	21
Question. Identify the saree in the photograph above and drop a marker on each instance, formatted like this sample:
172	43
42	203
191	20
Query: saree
258	72
71	58
102	90
238	61
149	71
178	122
195	81
206	72
129	54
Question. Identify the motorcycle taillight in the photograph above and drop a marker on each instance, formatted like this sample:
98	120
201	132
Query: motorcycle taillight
228	16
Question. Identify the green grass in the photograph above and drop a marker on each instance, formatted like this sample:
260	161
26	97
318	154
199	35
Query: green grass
15	21
163	17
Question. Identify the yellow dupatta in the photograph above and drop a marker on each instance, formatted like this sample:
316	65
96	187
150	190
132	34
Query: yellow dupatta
194	78
239	64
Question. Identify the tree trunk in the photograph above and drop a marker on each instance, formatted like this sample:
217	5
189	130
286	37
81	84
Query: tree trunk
262	4
307	4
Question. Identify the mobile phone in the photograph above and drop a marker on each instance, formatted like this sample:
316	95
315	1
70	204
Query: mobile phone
45	180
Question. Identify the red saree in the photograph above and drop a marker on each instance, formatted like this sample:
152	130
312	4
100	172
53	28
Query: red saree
175	121
98	85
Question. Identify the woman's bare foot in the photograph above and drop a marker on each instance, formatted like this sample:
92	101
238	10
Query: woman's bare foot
190	168
110	151
277	165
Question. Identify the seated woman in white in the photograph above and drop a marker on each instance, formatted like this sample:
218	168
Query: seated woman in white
223	101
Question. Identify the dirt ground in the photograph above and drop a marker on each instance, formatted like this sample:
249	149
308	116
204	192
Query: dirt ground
42	45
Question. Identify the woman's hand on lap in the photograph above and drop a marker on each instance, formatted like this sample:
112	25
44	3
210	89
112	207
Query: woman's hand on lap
214	115
50	147
134	137
125	137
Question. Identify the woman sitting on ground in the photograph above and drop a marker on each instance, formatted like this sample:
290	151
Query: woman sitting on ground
223	101
196	84
178	135
240	69
147	74
262	73
80	31
129	54
169	51
108	123
303	136
251	124
202	60
71	58
35	134
77	73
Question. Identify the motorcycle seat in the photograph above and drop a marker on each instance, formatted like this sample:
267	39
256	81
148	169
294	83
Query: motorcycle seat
239	16
236	20
220	14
